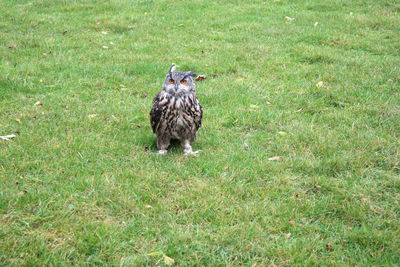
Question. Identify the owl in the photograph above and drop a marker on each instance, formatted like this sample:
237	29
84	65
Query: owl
176	112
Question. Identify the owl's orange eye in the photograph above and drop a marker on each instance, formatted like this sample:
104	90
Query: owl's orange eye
183	82
171	81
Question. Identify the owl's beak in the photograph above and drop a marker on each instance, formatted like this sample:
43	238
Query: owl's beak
176	86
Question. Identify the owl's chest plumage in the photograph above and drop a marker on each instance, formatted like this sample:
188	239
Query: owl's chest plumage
176	116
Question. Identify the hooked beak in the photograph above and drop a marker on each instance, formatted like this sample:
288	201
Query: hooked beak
176	86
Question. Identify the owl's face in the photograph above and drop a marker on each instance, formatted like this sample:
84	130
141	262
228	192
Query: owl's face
179	83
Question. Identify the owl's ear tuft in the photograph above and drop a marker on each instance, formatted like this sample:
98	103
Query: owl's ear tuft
172	68
191	73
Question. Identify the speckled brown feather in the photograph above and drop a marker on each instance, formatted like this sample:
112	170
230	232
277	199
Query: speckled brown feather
176	117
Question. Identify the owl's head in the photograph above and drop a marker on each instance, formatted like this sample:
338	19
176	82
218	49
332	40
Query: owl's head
179	83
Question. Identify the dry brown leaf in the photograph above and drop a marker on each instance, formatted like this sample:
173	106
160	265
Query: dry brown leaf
201	77
38	103
288	235
292	222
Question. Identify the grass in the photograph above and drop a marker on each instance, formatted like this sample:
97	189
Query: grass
80	184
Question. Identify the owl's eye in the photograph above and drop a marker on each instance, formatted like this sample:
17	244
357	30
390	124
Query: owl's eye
183	82
171	81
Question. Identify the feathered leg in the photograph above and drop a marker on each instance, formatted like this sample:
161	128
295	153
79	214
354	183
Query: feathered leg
162	144
187	148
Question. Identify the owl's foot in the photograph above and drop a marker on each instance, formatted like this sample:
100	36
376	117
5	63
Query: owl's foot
191	153
162	152
187	149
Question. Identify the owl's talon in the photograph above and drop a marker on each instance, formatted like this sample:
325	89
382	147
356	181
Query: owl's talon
191	153
162	152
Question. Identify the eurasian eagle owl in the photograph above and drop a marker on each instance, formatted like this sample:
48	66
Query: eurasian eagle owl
176	112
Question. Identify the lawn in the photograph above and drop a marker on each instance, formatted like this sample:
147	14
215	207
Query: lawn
300	137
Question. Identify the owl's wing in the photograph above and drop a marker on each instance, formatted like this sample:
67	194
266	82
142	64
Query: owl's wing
196	113
199	116
155	113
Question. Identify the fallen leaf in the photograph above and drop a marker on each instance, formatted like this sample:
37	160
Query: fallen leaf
292	222
100	84
64	32
315	24
7	137
246	146
18	120
282	133
92	115
288	235
287	18
47	54
104	32
38	103
275	158
105	47
11	46
201	77
267	103
148	207
319	84
329	246
168	260
22	193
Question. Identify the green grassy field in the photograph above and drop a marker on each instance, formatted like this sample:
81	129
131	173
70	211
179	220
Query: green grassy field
81	184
